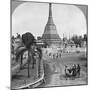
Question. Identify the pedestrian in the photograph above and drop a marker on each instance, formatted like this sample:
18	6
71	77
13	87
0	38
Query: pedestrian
60	55
73	71
53	56
78	70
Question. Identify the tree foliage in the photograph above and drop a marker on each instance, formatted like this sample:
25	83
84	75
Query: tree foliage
28	39
77	40
85	37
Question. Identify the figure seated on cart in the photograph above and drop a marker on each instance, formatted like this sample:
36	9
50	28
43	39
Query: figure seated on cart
72	71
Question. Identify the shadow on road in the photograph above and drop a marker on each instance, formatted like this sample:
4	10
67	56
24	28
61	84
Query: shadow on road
48	73
17	77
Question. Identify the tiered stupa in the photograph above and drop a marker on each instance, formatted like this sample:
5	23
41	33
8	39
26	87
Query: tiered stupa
50	35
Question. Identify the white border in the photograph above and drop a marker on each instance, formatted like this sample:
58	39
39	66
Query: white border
61	1
5	43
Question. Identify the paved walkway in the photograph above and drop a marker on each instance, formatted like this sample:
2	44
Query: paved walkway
58	80
55	72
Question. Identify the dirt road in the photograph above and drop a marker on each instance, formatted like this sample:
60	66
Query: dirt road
54	70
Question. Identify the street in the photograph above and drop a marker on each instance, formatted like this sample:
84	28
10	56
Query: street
54	70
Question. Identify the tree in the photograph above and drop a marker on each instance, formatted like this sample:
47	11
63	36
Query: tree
85	37
80	40
12	39
77	40
18	36
19	53
28	39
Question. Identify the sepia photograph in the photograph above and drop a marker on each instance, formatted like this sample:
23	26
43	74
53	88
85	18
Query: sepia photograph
49	44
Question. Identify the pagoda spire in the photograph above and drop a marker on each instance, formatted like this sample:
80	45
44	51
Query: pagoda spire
50	10
50	18
50	34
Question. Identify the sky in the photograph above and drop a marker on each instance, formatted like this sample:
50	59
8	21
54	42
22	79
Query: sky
32	17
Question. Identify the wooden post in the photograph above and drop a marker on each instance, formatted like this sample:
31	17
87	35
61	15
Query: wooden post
39	71
28	62
37	65
21	60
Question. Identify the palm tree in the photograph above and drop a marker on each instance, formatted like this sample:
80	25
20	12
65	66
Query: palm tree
19	53
28	39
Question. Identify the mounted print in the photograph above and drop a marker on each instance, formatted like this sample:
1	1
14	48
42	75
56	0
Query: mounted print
48	44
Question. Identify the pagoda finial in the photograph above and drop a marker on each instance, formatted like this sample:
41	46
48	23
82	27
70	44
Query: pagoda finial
50	10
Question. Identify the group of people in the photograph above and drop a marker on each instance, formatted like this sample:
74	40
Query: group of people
72	71
53	55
